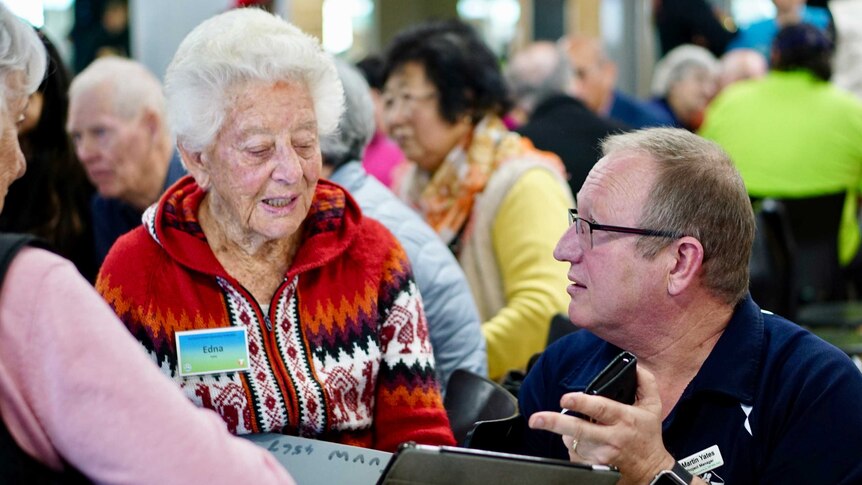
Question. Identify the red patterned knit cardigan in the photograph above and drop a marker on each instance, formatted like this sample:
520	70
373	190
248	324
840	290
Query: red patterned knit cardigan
343	352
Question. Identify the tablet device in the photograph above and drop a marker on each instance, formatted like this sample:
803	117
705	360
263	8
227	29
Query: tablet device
444	465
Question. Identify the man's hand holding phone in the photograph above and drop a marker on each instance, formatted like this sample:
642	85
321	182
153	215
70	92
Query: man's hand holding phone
625	436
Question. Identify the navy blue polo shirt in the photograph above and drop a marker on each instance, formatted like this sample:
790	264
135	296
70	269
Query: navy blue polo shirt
772	403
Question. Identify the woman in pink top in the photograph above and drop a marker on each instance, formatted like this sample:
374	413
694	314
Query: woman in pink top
65	359
382	155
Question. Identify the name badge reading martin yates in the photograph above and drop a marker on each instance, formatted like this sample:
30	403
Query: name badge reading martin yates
212	351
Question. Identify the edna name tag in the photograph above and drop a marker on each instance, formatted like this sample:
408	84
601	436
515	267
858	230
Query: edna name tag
212	351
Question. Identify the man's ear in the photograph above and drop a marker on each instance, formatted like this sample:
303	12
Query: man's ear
687	254
196	165
152	123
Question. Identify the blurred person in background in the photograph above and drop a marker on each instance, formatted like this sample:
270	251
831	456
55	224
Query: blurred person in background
541	81
252	243
847	63
453	320
382	154
739	65
760	34
487	192
52	199
697	22
101	28
596	77
793	133
683	83
118	125
67	416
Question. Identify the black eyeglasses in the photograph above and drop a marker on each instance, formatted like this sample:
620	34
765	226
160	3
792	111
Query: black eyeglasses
585	228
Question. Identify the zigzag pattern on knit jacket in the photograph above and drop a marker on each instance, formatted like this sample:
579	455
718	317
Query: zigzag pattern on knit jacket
342	353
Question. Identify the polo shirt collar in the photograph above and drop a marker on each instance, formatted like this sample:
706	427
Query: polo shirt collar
731	368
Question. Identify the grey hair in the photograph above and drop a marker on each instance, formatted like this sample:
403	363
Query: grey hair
699	193
21	51
133	88
677	63
538	72
356	127
236	47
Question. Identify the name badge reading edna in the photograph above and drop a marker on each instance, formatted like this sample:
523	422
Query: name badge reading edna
212	351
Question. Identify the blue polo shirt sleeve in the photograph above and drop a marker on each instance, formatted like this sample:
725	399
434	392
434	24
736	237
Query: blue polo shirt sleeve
534	396
565	366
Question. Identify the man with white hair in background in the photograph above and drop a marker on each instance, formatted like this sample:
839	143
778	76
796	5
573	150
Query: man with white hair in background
542	84
117	124
597	76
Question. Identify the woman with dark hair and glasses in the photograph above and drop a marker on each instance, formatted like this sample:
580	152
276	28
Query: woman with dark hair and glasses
490	195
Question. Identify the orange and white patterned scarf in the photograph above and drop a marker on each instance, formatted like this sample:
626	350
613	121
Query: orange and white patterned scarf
445	198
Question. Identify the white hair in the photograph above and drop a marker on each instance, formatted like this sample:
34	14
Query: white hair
357	124
239	46
132	87
677	63
21	51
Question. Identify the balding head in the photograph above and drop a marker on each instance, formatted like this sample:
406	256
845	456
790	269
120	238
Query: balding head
537	72
117	124
595	74
740	64
130	87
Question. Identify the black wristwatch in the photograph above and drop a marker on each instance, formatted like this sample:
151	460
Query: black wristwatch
675	476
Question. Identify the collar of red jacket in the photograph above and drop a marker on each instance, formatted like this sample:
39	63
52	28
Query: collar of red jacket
329	228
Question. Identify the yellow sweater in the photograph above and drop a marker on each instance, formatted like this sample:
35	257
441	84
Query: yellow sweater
528	223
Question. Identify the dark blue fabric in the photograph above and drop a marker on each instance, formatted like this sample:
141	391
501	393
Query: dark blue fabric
805	397
636	113
660	105
112	217
565	126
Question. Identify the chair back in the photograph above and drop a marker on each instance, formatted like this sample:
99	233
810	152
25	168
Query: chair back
471	398
772	257
814	224
560	327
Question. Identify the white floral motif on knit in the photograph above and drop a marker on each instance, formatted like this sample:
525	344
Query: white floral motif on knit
312	418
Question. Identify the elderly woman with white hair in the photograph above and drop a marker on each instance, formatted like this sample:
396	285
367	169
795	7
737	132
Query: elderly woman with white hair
684	82
69	413
260	289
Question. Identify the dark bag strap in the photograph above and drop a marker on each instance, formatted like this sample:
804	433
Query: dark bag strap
10	244
16	466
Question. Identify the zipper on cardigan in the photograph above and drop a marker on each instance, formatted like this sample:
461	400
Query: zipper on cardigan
267	321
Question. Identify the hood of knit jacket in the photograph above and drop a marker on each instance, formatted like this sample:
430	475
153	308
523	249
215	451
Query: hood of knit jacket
328	230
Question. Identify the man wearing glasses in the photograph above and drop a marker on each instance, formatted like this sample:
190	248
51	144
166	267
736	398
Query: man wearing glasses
659	249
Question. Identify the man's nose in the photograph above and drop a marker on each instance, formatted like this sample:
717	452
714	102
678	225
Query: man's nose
85	148
569	248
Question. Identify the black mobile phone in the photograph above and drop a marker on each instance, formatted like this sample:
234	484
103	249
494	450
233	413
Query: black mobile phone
618	380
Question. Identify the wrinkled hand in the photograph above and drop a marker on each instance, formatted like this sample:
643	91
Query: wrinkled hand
628	437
